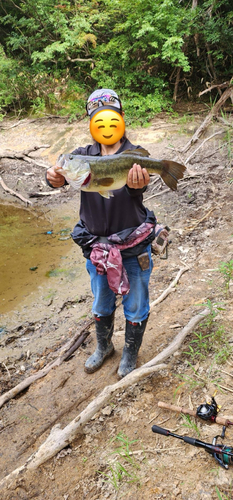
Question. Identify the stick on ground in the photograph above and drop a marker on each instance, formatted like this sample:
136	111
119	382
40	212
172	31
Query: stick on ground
13	193
60	438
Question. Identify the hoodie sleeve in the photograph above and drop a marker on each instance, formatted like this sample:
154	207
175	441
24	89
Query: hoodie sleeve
135	192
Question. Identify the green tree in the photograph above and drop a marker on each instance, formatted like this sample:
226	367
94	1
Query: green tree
53	54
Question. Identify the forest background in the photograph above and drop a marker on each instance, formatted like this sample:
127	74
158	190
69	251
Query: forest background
153	53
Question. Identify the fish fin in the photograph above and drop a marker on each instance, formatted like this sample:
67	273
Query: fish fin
74	184
137	152
171	173
106	194
77	184
106	181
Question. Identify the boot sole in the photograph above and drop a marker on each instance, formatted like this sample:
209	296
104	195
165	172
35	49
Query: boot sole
94	369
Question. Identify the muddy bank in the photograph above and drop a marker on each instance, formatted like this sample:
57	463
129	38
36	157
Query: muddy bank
199	215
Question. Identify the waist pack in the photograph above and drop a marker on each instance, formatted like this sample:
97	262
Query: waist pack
161	242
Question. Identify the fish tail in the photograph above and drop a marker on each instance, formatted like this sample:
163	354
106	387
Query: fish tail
171	173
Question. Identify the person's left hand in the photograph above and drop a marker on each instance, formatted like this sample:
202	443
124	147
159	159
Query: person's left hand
138	177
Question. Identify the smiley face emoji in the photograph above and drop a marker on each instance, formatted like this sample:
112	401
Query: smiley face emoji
107	127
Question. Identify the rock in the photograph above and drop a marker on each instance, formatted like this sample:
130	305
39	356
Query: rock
107	410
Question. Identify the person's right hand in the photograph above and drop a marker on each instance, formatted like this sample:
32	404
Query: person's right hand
57	180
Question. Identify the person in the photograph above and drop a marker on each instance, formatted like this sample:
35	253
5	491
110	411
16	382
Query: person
104	221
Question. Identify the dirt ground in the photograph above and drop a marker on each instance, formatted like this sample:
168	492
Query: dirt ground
118	456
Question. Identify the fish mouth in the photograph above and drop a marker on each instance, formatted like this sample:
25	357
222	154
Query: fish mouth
107	136
87	180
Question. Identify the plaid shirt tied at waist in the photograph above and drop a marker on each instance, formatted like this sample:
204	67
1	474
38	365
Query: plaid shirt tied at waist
108	260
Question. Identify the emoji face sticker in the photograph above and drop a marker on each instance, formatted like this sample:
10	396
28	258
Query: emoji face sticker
107	127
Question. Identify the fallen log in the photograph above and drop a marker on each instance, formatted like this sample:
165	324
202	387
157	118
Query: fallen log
60	438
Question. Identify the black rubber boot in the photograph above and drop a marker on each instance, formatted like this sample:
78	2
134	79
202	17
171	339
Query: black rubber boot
104	326
133	339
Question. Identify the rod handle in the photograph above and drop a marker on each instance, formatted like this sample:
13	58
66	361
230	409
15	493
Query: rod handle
160	430
178	409
222	420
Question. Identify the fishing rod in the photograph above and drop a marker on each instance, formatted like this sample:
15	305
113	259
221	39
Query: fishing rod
222	454
206	411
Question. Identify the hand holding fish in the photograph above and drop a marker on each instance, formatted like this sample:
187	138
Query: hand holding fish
105	174
138	177
55	179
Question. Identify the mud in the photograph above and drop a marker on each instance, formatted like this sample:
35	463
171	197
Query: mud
43	312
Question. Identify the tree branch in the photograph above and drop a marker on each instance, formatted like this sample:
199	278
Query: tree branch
214	111
13	193
24	155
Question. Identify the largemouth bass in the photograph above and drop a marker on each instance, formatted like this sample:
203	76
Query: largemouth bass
104	174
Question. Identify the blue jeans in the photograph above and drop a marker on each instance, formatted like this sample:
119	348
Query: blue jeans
135	303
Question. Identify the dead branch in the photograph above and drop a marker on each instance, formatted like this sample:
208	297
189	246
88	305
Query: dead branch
214	111
221	119
44	193
178	340
60	438
191	228
223	387
220	132
65	353
171	287
70	347
217	85
79	59
157	194
24	155
13	193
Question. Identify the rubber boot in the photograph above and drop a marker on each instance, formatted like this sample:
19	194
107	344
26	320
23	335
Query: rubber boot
133	339
104	326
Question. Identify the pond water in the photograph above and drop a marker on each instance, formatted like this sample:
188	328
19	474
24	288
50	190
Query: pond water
36	248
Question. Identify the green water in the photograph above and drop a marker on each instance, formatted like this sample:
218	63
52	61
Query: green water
33	249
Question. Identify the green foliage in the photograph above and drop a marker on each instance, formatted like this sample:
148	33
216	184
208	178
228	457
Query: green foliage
53	54
189	423
124	467
210	339
221	496
226	268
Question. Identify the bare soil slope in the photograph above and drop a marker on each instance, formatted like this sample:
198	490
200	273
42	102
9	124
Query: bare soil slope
118	456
